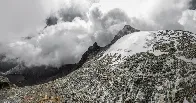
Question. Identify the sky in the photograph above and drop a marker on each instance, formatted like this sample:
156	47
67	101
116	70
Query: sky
19	17
80	24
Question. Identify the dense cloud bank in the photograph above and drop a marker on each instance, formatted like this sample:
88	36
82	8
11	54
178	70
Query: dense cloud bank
80	23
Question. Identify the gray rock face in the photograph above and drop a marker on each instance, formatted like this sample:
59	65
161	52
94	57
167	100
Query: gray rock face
163	70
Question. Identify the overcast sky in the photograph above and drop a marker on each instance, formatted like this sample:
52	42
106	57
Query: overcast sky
19	17
81	23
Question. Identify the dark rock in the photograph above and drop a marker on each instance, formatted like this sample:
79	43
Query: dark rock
192	5
4	82
126	30
52	20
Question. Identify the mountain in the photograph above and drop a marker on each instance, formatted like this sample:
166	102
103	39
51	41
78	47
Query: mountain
137	67
21	75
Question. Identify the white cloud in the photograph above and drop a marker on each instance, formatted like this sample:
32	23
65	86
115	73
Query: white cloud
151	14
66	42
188	20
83	22
57	45
19	17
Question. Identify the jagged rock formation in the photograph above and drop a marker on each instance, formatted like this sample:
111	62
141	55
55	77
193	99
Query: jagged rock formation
141	67
126	30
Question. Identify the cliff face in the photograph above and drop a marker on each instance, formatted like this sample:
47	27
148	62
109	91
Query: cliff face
142	67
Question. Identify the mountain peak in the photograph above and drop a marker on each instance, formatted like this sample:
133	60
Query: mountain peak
129	28
126	30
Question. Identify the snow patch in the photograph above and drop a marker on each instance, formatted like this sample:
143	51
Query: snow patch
132	44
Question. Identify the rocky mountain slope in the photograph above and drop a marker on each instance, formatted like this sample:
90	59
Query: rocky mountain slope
137	67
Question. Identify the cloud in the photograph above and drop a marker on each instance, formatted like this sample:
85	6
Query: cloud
20	17
188	20
83	22
67	41
151	14
106	26
59	44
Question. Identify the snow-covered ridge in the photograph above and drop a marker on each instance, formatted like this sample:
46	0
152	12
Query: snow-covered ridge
132	43
156	42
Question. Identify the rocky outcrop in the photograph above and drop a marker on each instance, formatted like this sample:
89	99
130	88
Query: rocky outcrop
126	30
52	20
4	82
